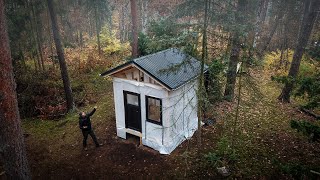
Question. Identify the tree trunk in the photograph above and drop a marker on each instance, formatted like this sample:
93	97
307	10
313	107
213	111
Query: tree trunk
123	36
134	28
121	24
38	37
273	30
144	16
12	147
60	53
97	19
261	15
201	93
235	54
309	17
34	37
232	69
50	39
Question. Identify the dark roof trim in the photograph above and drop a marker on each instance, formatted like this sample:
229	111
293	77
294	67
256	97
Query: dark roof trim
116	68
164	84
111	71
132	62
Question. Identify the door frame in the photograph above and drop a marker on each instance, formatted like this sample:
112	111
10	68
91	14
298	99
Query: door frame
125	109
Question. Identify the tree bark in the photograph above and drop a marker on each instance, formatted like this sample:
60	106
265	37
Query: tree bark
201	93
50	38
268	39
232	69
261	15
121	24
98	26
134	28
12	147
235	54
34	38
309	17
144	16
60	53
37	27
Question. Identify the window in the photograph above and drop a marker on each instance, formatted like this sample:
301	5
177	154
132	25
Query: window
154	106
132	99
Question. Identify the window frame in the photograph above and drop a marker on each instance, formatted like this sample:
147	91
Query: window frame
147	111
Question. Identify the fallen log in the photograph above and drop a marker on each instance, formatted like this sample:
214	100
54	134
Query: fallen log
314	172
310	113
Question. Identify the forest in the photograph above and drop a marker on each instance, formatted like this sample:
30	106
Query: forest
257	89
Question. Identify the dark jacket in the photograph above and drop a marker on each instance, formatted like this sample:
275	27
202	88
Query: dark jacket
85	120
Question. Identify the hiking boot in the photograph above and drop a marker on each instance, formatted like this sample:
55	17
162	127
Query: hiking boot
98	145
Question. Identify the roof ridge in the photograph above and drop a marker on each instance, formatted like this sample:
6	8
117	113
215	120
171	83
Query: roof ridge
150	55
151	64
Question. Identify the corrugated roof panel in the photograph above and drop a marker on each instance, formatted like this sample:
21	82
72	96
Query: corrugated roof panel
171	67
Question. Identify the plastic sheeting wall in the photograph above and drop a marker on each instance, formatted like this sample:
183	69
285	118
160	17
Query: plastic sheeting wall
179	113
183	114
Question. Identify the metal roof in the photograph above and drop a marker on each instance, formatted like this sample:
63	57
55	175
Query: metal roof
171	67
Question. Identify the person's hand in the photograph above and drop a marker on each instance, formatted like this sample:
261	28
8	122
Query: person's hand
95	107
85	127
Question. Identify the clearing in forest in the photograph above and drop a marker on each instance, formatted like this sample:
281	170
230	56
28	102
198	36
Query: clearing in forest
265	144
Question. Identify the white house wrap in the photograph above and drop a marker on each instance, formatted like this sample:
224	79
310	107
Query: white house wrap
156	102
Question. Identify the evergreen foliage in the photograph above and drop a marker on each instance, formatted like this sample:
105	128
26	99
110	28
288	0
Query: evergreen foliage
306	128
309	87
164	34
306	86
223	154
314	51
214	79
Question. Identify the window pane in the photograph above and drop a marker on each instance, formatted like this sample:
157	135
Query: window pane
154	109
132	99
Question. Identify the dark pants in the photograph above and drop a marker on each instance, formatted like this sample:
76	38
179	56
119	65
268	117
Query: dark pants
85	137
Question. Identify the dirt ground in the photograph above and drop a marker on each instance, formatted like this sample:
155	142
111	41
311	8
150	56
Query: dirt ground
116	159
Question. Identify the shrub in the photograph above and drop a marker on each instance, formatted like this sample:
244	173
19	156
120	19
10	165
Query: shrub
306	86
110	44
307	128
213	81
309	87
223	154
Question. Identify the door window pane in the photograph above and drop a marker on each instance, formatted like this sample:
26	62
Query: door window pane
154	109
132	99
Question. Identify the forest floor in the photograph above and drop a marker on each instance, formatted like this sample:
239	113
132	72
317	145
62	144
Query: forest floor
265	146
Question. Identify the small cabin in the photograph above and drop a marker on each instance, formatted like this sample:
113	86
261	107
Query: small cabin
155	98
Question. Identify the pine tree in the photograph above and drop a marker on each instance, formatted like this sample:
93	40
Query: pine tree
60	53
311	9
235	51
12	148
134	28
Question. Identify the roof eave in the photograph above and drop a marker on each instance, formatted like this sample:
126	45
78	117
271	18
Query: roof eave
161	82
114	70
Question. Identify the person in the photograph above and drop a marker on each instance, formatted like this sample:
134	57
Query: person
85	126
